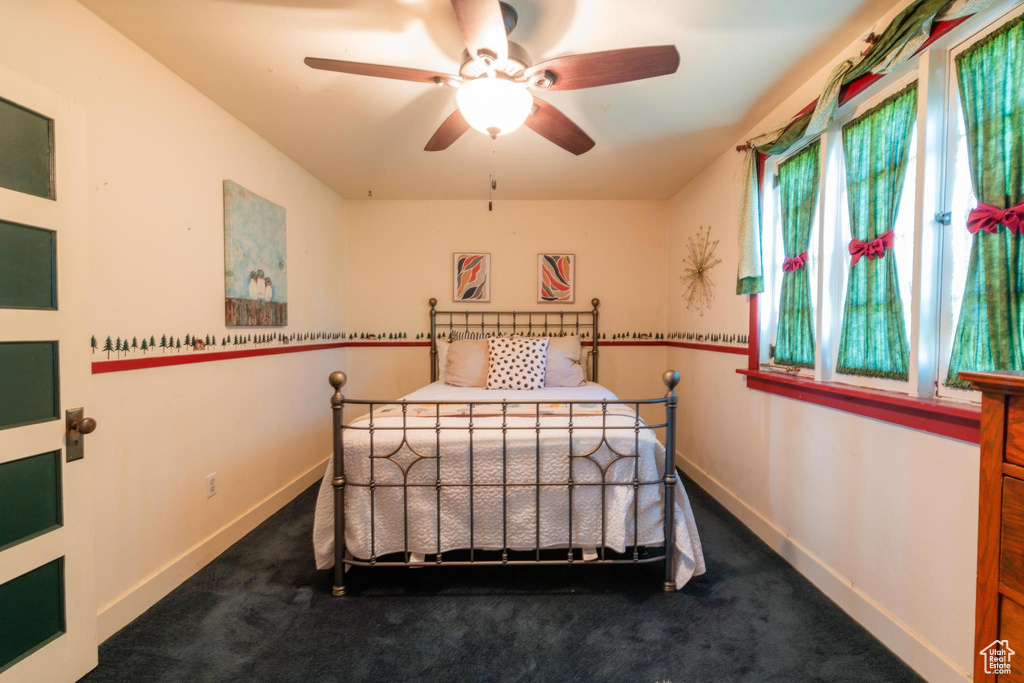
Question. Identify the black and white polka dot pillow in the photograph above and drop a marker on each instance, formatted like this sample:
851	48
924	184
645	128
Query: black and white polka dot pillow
516	363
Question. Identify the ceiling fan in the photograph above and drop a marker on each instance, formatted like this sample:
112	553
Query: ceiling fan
496	74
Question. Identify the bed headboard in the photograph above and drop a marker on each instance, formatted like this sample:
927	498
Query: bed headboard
537	323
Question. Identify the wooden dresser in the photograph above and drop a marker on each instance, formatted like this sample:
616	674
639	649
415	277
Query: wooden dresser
1000	593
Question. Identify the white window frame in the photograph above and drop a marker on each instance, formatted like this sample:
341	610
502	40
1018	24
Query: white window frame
930	326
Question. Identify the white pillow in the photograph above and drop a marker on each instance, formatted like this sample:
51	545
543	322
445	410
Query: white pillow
565	363
442	360
516	363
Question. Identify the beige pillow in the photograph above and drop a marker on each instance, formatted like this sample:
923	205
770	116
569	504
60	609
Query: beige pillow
564	367
467	363
442	360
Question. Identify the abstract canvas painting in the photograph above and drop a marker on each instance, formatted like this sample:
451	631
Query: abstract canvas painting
255	262
556	275
472	277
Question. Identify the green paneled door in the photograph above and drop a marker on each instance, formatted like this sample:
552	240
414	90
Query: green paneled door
47	605
28	267
30	497
26	150
29	384
32	609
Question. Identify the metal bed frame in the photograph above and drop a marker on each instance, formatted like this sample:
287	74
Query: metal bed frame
544	323
504	322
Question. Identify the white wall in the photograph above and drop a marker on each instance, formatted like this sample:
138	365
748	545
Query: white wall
882	518
158	152
400	255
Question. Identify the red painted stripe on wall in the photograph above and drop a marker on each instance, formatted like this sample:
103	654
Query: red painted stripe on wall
738	350
189	357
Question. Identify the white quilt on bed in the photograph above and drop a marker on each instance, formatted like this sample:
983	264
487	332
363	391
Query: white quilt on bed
520	464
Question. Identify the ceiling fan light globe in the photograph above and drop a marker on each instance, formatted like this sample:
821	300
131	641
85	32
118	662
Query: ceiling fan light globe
494	104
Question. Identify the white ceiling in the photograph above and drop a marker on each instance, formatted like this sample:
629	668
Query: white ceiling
357	134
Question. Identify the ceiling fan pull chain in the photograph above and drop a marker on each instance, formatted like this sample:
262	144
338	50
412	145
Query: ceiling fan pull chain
493	179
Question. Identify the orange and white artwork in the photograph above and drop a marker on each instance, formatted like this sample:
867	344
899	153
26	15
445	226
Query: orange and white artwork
556	278
472	277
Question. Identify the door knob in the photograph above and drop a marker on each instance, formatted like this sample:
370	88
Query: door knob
76	426
86	425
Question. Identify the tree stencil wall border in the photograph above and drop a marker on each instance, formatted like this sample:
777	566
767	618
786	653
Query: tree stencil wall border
127	347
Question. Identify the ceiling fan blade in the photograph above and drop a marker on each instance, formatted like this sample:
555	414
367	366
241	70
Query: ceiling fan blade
482	26
592	69
400	73
558	128
450	131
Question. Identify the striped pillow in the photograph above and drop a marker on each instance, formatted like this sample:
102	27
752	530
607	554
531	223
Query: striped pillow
456	335
459	335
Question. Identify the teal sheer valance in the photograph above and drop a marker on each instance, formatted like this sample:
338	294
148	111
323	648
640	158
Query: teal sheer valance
798	192
876	146
990	329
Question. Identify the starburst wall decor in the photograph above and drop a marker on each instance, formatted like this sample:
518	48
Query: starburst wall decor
698	287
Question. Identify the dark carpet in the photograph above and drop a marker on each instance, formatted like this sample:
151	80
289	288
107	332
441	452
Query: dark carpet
261	611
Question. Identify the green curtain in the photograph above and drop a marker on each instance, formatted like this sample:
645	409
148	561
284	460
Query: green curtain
902	32
990	331
798	191
750	274
750	285
876	146
906	24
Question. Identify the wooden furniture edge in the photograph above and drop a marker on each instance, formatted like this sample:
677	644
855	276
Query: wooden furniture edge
996	388
997	381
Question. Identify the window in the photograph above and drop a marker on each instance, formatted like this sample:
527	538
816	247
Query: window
958	200
798	181
913	300
878	229
903	230
775	247
829	265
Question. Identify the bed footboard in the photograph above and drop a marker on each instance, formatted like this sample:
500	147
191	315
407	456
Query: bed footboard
400	435
337	380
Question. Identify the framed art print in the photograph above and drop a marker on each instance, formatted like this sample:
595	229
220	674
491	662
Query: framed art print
472	277
255	261
556	278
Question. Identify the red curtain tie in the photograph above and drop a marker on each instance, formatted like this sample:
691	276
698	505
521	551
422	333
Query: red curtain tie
873	249
987	217
791	265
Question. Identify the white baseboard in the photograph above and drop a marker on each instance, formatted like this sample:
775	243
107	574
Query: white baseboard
120	611
894	634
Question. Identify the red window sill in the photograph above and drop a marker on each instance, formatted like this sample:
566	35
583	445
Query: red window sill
933	415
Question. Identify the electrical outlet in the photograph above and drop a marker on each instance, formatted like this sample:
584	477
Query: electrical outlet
211	485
